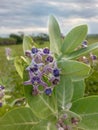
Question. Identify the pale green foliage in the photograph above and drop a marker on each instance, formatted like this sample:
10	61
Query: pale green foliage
55	36
74	38
27	46
87	109
18	119
67	97
64	92
74	69
19	65
79	89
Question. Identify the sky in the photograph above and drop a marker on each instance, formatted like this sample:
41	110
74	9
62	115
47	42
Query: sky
31	16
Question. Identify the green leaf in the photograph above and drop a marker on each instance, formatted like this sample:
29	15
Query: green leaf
19	65
27	43
18	119
54	35
74	69
79	89
82	51
74	38
45	126
64	92
70	114
87	108
4	109
42	105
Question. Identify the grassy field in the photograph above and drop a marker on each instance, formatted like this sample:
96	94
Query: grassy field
8	75
13	83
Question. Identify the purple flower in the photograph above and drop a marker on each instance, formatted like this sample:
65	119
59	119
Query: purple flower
74	121
93	57
1	87
35	80
47	69
56	72
27	82
49	59
0	104
48	91
1	94
46	51
84	43
1	91
34	68
55	81
28	53
31	74
8	52
38	58
34	50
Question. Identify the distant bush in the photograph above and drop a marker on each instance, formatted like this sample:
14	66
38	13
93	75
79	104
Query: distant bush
7	41
41	38
18	38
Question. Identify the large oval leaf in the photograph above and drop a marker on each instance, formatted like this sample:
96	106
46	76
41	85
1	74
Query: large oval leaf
74	38
79	89
54	35
87	108
64	92
42	105
74	69
18	119
19	65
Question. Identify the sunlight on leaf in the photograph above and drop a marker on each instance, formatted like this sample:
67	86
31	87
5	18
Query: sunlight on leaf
87	108
64	92
20	119
54	36
79	89
27	43
74	69
74	38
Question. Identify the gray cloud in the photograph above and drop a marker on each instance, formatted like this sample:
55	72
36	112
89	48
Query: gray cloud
21	14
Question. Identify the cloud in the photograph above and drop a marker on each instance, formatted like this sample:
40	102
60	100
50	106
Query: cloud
15	15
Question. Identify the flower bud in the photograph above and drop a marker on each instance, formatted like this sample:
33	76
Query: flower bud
34	50
49	59
74	121
0	104
84	43
93	57
48	91
56	72
28	53
46	51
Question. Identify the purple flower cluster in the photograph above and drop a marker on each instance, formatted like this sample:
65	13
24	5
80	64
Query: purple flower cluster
67	123
87	59
43	71
85	44
1	94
